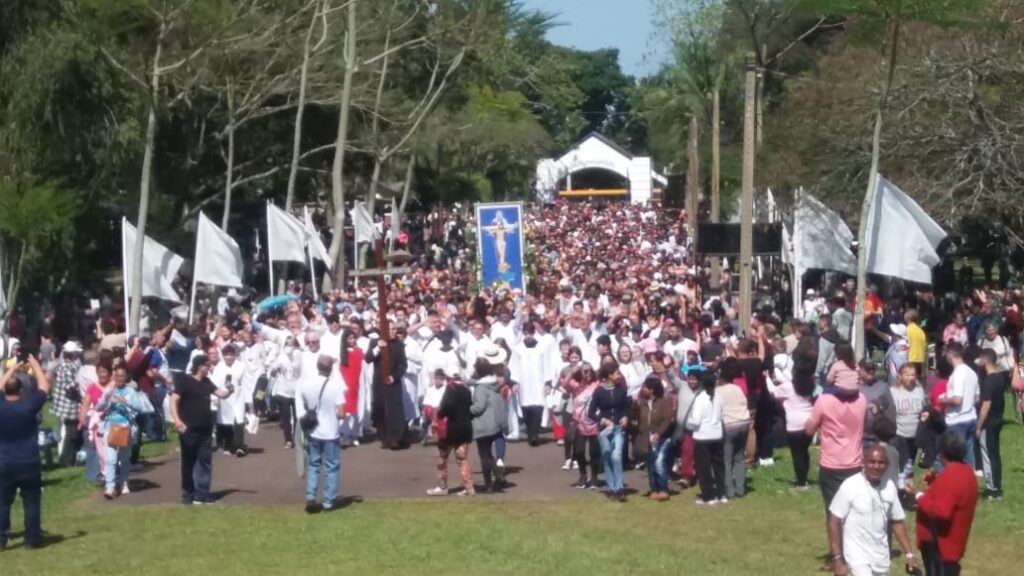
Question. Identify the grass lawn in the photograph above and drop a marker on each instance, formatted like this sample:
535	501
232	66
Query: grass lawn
773	531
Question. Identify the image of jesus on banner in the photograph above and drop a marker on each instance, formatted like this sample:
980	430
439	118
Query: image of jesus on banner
500	244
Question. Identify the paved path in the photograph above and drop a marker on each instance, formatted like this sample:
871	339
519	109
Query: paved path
268	474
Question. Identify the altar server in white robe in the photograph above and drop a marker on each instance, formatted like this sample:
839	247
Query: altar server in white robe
231	410
529	367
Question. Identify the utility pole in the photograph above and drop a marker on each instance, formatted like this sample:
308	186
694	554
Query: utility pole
716	177
693	181
747	201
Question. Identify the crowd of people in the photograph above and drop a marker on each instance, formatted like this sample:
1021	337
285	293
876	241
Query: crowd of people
615	348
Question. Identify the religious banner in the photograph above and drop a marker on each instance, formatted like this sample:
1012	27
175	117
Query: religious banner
499	230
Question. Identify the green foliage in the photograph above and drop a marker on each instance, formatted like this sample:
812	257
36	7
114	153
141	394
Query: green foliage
33	213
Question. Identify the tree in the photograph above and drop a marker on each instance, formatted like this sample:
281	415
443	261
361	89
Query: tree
33	215
885	20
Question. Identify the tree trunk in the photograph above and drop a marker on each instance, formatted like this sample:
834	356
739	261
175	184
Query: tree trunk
229	177
337	169
876	154
135	315
371	196
15	284
407	186
293	172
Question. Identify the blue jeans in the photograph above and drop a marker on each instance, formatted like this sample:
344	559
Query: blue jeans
965	431
156	429
196	465
118	465
611	439
92	462
657	465
327	452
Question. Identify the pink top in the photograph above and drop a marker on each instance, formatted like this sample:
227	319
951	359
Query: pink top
798	408
954	333
841	430
842	376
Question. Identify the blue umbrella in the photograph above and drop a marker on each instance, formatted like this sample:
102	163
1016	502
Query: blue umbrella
276	301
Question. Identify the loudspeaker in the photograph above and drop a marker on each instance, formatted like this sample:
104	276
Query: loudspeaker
724	239
675	192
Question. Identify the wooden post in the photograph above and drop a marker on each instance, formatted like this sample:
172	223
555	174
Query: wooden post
693	180
382	313
747	203
716	177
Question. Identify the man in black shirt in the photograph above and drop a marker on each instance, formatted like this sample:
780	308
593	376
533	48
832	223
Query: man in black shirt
190	409
990	423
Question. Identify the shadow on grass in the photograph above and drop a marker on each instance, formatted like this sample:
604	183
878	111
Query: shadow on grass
49	539
345	502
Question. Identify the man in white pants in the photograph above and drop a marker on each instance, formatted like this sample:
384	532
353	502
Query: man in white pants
861	512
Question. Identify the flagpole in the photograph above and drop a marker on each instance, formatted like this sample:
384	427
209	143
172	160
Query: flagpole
309	254
270	252
195	273
124	275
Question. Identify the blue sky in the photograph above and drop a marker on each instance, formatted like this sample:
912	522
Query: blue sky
592	24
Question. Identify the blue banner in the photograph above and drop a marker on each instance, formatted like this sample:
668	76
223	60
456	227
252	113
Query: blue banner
499	229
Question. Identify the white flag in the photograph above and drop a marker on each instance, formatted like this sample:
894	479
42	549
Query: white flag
362	223
901	239
286	236
218	259
313	242
821	240
396	226
159	265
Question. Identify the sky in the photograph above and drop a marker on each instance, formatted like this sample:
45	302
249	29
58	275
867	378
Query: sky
592	24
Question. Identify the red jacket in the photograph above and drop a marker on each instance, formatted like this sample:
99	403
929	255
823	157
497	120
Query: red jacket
948	504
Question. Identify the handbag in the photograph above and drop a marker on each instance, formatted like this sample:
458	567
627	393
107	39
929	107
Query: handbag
310	420
119	436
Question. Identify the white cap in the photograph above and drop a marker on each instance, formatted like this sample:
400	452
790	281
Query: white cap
72	347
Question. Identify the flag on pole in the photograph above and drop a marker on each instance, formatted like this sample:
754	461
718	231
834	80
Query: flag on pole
159	265
901	238
362	223
821	240
395	224
286	236
218	258
314	243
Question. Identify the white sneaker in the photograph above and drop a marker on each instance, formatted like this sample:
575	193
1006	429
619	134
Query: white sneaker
766	462
501	463
560	442
575	465
355	442
437	491
979	473
567	465
712	502
124	489
723	500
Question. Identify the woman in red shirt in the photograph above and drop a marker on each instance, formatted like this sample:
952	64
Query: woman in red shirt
945	511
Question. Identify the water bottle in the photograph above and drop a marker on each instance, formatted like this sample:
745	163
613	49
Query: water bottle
907	473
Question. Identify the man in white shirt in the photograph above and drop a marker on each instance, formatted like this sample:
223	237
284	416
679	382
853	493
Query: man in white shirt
961	397
861	511
325	397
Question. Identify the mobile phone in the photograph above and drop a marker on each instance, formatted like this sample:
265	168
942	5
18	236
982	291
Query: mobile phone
23	354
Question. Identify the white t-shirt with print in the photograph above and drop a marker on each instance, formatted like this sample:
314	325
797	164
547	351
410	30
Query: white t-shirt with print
866	511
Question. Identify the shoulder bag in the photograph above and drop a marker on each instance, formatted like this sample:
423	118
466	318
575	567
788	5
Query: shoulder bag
310	420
